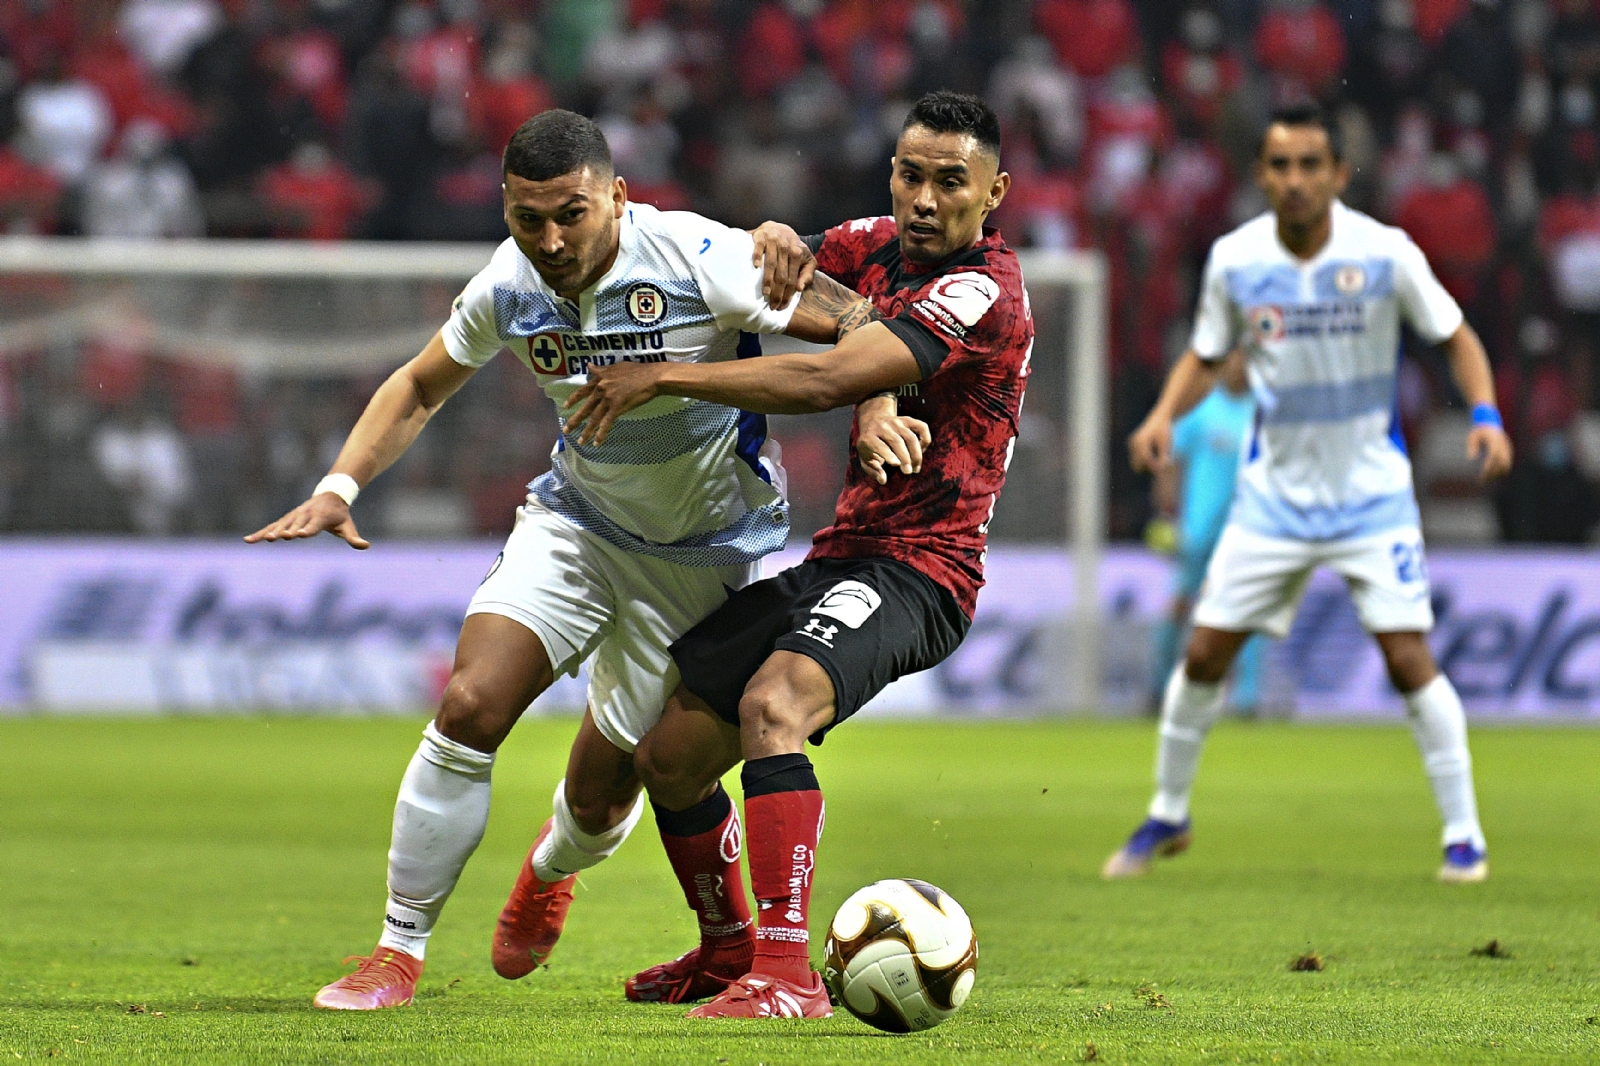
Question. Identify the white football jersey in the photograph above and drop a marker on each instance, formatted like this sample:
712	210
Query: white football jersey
692	482
1326	459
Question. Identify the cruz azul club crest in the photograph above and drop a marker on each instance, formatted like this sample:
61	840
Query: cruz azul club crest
646	303
1350	280
1266	323
544	351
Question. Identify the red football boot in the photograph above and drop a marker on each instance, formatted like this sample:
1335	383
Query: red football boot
757	995
531	922
685	979
387	979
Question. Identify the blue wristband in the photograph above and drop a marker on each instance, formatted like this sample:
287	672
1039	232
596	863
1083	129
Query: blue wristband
1486	414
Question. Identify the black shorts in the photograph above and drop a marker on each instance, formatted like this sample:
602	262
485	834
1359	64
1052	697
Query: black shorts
865	621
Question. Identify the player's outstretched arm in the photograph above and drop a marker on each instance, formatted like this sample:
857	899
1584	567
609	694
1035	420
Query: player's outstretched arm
393	418
1469	365
887	440
787	263
1150	446
871	359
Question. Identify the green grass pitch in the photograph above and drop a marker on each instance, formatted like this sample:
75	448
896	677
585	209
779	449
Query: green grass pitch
175	890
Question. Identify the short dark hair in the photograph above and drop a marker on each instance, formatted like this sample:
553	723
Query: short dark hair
943	111
1305	115
557	142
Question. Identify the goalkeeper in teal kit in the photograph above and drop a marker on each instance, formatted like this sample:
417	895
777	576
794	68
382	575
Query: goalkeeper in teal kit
1198	486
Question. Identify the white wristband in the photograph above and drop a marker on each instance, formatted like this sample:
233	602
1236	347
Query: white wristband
341	485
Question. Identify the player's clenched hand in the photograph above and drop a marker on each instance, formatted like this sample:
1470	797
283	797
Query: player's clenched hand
1490	446
786	263
886	440
610	392
325	512
1150	446
894	443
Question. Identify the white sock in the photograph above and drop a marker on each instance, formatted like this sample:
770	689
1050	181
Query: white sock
438	821
1188	710
569	849
1440	726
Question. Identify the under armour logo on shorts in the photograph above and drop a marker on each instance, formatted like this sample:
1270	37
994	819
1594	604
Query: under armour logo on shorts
820	631
851	602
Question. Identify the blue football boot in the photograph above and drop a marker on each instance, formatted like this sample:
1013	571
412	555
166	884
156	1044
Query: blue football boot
1464	864
1153	838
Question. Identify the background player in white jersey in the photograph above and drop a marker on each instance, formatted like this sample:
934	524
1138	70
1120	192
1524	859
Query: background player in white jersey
1316	293
616	553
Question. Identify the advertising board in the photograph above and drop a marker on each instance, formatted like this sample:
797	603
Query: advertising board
96	626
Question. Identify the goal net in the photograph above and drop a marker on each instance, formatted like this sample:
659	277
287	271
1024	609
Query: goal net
266	308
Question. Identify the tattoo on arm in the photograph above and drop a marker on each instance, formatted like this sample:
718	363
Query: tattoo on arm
858	316
827	299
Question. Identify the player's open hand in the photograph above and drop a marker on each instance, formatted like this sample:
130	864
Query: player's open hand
786	263
889	441
1150	446
325	512
611	392
1491	448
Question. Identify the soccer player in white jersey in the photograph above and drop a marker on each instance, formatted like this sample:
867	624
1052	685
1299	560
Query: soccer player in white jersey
1316	293
617	552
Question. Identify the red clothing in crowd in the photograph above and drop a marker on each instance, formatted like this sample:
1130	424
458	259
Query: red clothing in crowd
27	193
207	398
321	203
310	66
33	32
1433	18
1455	228
1565	215
642	11
445	57
112	372
771	52
1043	207
1199	81
666	195
1303	47
1549	401
1093	37
106	64
497	108
865	43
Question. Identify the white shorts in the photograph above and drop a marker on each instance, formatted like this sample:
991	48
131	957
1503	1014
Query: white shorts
1255	582
587	599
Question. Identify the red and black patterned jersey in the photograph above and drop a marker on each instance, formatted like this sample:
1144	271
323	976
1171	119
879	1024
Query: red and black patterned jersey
967	322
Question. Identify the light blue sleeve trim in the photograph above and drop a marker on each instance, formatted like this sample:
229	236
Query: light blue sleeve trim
1262	283
520	313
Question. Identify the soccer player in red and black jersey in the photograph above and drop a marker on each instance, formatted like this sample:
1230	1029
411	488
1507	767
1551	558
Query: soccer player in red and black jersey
887	590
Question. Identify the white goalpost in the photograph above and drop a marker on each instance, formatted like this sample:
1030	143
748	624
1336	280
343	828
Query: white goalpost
1084	348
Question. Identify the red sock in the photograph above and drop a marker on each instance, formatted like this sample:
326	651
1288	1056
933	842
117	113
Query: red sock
784	810
703	845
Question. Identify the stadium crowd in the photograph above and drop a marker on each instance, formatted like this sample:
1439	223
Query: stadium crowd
1130	127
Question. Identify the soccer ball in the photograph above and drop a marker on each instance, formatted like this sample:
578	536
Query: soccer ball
902	956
